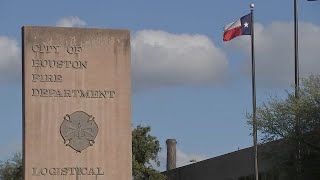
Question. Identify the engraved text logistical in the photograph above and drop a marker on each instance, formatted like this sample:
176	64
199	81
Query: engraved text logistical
67	171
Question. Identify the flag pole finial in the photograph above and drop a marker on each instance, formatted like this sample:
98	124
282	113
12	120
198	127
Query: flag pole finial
251	5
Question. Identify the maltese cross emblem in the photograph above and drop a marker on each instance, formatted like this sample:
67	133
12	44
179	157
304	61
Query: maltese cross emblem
78	130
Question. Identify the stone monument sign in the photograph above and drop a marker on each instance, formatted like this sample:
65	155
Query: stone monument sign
76	104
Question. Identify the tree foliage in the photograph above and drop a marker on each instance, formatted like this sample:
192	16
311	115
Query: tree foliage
145	149
294	121
11	169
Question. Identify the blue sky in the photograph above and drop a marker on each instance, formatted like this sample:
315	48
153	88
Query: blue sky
187	83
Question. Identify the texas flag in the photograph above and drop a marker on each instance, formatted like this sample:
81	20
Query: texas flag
239	27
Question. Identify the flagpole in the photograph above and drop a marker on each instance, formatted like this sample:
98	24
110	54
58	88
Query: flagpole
296	82
255	146
296	54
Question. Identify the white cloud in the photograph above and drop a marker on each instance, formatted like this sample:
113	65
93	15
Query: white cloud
274	47
159	59
72	21
10	55
163	59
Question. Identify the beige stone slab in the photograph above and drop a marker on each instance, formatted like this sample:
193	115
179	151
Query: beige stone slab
90	70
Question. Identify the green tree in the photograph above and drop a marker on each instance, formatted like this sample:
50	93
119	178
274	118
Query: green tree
11	169
277	119
145	149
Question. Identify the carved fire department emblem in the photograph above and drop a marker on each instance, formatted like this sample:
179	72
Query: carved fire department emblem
79	130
